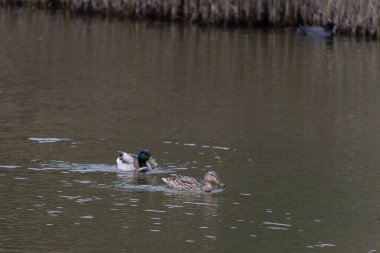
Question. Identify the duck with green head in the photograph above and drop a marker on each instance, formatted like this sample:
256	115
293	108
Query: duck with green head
142	162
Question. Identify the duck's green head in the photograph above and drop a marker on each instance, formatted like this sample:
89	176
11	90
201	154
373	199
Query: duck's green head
145	156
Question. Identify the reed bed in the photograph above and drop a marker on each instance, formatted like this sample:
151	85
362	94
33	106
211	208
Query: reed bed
356	17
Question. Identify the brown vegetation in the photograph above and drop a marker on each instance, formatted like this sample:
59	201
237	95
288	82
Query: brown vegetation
357	17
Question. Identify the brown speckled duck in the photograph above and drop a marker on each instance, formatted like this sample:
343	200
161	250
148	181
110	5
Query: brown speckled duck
185	183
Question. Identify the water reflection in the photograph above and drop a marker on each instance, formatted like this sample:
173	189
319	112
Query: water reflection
139	182
194	198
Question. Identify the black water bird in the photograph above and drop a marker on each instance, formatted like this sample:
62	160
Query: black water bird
317	31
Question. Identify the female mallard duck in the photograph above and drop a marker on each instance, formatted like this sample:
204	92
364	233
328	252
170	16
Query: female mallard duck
185	183
138	163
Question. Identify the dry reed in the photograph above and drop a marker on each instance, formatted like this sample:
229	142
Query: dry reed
356	17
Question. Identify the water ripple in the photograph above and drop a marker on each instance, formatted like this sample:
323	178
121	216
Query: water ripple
276	224
20	178
87	216
76	167
154	211
48	140
9	166
194	144
54	212
173	206
200	203
321	245
277	228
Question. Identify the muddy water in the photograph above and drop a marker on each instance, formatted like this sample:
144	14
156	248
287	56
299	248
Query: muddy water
290	124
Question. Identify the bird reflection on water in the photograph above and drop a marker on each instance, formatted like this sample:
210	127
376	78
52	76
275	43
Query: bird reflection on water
138	181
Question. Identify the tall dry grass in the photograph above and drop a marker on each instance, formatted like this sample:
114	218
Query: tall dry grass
357	17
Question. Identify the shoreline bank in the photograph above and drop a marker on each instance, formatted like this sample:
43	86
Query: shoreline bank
357	18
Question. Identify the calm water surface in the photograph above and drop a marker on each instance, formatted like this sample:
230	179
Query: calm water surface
290	124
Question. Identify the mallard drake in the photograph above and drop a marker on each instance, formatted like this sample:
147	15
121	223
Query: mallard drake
185	183
317	31
138	163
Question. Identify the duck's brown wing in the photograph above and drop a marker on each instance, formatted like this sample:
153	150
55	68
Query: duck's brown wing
180	182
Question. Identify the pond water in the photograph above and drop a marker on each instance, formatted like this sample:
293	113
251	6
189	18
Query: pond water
290	124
